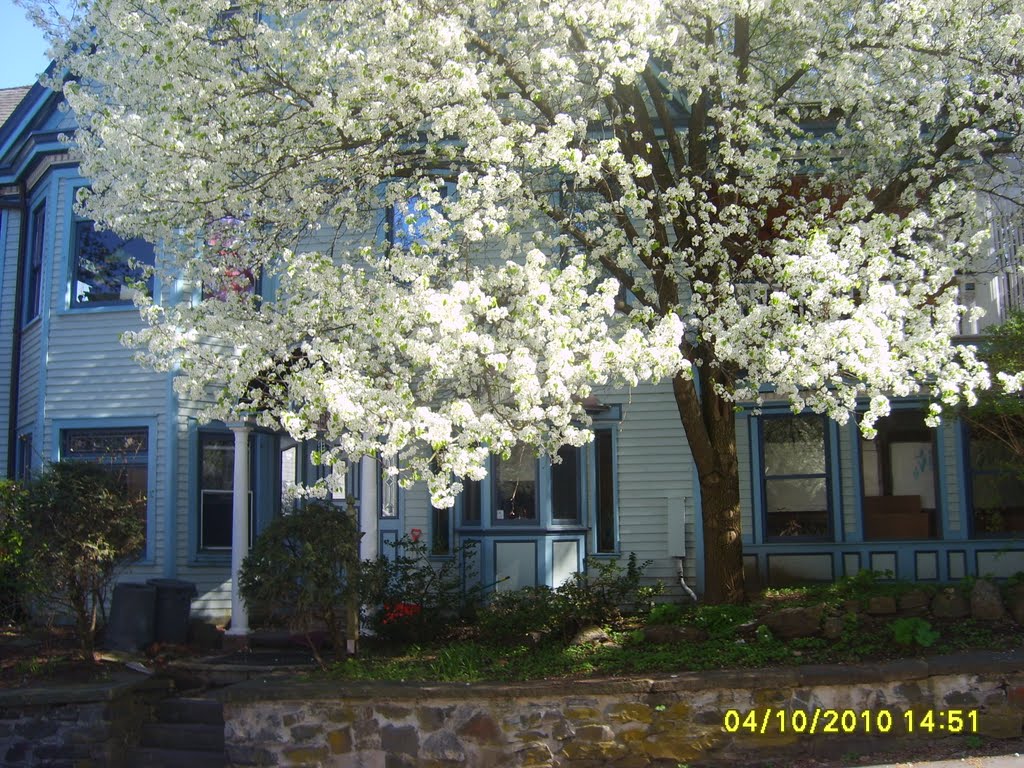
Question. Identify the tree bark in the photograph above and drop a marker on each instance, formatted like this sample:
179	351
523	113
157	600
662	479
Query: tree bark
709	422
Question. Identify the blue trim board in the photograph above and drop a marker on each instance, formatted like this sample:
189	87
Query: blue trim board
833	484
961	445
857	470
942	499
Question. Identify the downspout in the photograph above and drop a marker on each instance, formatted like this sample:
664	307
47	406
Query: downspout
12	412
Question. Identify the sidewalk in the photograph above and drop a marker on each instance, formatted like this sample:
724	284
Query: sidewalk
993	761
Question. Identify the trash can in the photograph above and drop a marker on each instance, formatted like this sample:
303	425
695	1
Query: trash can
173	604
132	617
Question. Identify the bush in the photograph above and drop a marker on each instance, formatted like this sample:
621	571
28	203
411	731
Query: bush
81	527
596	597
417	598
13	559
304	569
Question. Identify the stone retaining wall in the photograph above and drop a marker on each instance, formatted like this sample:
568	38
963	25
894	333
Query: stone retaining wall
70	726
664	721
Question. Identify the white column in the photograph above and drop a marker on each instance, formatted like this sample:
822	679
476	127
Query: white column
239	527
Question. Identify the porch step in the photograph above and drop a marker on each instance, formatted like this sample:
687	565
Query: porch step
152	757
190	710
186	732
191	737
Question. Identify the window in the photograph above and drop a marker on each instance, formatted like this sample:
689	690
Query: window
604	492
104	266
216	496
33	271
409	222
23	457
795	480
898	478
471	501
123	451
387	489
515	486
996	485
440	531
566	482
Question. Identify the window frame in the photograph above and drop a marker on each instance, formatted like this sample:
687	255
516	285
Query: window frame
969	474
77	226
826	474
886	475
148	425
33	270
213	433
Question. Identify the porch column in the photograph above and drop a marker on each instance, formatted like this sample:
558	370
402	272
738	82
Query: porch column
239	526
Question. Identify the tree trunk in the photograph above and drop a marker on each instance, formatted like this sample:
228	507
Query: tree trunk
710	425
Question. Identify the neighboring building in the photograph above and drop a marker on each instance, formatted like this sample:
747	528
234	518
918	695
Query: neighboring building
818	501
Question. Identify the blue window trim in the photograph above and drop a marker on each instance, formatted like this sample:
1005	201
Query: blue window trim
830	512
257	471
33	302
967	475
67	305
941	498
150	425
23	456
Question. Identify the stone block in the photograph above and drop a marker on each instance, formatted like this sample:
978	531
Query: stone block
795	622
595	732
593	750
986	604
393	712
340	741
304	755
1001	725
1015	602
305	732
432	718
914	602
443	747
399	739
629	713
535	754
35	730
482	729
832	627
950	603
881	605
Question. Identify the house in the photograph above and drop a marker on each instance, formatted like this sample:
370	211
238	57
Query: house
818	501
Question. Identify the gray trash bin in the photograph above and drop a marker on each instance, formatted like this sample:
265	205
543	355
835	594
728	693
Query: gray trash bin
173	604
132	617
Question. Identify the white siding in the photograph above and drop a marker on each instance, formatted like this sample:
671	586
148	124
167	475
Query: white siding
655	481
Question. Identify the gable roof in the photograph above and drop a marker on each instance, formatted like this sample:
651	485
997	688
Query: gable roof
10	98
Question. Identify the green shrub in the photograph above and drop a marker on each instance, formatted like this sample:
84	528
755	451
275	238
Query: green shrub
417	598
514	614
912	630
81	528
666	613
304	569
13	559
596	597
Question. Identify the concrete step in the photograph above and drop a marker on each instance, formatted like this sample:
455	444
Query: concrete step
192	737
151	757
190	710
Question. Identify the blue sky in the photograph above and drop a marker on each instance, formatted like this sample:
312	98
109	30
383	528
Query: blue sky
22	48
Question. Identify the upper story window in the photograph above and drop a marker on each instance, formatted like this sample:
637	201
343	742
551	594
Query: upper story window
32	274
795	487
105	268
898	473
408	222
996	484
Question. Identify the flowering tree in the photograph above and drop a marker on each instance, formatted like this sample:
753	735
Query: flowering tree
733	194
